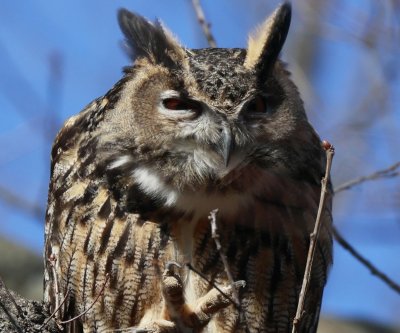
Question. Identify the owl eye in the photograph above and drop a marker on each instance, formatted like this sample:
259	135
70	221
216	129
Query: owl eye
258	105
178	104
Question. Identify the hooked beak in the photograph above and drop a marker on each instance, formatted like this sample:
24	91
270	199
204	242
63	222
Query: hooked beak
227	144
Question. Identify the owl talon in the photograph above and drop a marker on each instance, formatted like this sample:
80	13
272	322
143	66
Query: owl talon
172	288
158	326
169	266
214	301
237	284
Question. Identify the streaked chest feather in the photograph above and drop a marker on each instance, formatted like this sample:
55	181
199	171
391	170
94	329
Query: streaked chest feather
264	222
261	216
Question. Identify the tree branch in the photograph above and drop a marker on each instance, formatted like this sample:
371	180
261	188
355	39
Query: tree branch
389	172
215	237
203	23
91	305
330	151
190	267
365	262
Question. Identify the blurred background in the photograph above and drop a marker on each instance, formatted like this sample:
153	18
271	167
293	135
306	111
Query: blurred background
57	56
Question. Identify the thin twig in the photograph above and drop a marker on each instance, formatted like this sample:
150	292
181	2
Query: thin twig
11	298
389	172
91	305
52	261
55	311
190	267
330	151
203	23
365	262
214	234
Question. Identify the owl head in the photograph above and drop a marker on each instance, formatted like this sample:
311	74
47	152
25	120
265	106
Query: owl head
192	119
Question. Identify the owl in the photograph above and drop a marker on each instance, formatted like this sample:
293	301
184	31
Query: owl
135	175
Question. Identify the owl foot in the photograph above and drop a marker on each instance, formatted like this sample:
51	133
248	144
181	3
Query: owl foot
212	302
158	326
172	288
199	314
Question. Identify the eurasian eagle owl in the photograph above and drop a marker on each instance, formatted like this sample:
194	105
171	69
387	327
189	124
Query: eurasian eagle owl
135	175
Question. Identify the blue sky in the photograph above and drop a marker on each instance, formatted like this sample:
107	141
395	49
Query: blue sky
84	39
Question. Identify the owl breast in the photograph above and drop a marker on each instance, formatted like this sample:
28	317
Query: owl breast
264	223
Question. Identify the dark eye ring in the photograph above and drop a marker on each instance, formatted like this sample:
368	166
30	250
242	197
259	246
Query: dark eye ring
178	104
258	105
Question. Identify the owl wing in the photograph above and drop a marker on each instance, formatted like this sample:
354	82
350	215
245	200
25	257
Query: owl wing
99	255
65	189
79	217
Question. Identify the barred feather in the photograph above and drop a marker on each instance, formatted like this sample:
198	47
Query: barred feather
132	186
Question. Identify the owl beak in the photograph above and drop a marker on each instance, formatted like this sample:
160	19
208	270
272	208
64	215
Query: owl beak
227	144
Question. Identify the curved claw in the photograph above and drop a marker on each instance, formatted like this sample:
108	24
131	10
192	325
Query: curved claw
170	264
238	284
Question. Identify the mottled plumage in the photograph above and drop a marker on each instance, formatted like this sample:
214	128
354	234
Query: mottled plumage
136	173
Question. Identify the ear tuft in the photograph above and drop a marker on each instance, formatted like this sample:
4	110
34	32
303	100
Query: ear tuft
267	41
148	40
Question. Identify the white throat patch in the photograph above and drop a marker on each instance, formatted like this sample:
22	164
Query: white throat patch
153	185
200	203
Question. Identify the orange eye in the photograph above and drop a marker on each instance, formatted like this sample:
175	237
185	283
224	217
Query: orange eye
257	105
179	104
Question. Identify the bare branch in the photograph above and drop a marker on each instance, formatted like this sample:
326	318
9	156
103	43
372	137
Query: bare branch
190	267
389	172
56	310
214	234
91	305
330	151
52	261
365	262
203	23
